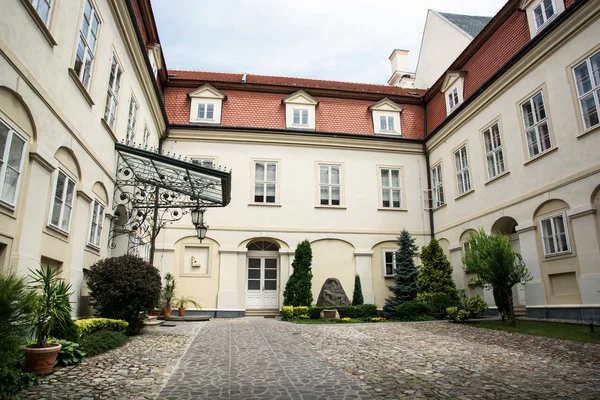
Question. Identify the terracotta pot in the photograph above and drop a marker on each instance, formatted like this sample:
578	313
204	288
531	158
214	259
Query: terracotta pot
167	313
155	312
181	311
40	360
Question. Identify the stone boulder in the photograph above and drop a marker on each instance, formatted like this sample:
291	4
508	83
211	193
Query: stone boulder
332	294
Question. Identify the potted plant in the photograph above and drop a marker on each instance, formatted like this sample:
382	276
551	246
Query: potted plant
182	301
167	295
52	310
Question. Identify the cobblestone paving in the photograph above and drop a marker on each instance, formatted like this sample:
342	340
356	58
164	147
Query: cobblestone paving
137	370
256	358
442	360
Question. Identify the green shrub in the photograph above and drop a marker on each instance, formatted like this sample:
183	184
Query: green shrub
357	296
68	331
455	314
70	353
92	325
124	287
435	276
103	341
298	289
476	306
13	380
410	310
361	312
438	302
287	313
299	311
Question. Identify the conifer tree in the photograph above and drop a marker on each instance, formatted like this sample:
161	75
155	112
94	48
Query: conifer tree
298	289
405	274
435	275
357	296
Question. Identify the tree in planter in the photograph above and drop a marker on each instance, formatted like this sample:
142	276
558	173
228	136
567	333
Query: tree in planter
357	296
124	287
405	274
435	275
496	266
298	289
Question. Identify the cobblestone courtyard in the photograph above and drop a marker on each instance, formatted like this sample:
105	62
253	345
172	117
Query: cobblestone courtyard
255	358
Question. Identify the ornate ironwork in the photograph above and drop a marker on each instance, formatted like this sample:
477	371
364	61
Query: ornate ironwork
153	189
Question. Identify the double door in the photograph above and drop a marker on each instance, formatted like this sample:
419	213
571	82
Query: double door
262	283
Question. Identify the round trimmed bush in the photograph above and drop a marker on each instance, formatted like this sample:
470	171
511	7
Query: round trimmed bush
126	288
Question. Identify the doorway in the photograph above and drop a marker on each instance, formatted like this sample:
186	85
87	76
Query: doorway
262	276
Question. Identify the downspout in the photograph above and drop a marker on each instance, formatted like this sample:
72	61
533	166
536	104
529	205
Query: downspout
431	225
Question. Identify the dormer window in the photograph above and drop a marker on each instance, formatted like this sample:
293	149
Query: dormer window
206	103
540	13
300	110
386	117
452	87
155	58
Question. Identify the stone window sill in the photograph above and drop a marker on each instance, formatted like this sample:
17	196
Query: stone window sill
109	130
80	86
40	24
535	158
497	177
265	204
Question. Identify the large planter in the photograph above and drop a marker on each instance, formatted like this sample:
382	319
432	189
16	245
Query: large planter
40	360
167	313
181	311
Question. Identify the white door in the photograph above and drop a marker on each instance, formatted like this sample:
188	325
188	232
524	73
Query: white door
262	283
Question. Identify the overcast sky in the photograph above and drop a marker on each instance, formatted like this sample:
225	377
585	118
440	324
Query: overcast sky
344	40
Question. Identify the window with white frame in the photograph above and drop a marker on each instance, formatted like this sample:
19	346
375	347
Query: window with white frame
42	7
131	120
453	99
300	117
386	123
555	235
206	111
389	264
96	223
437	186
543	12
535	120
112	97
12	149
330	185
146	136
587	80
86	47
463	175
494	154
265	181
204	162
62	204
390	188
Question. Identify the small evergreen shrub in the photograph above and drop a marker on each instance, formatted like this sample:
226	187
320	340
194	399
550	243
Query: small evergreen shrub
126	288
92	325
435	276
70	353
409	310
287	313
438	302
357	296
454	314
476	306
405	274
103	341
298	289
300	311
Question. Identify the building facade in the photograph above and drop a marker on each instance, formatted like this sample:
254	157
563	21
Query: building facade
503	137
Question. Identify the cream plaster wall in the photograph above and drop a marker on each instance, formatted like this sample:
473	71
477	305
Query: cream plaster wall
333	258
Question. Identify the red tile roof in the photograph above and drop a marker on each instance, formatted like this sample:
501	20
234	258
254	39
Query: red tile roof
304	83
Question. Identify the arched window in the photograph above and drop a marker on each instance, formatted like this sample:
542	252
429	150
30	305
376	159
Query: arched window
263	245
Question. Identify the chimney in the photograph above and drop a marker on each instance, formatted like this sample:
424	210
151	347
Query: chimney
400	75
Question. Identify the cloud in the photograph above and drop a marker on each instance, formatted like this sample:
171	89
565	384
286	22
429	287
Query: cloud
348	40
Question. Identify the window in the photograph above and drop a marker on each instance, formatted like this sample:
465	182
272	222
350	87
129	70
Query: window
12	148
463	177
390	188
387	123
535	119
390	263
146	136
330	185
204	162
438	186
543	12
453	98
554	235
587	80
133	108
112	98
42	7
206	111
494	155
300	117
96	224
265	181
88	35
63	201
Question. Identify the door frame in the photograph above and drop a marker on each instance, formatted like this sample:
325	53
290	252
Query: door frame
262	254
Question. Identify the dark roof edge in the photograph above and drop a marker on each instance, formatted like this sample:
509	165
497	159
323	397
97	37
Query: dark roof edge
291	132
520	54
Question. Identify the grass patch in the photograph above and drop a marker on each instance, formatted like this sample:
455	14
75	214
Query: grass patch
577	333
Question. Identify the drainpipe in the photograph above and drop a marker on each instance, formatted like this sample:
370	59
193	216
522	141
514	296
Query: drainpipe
431	225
